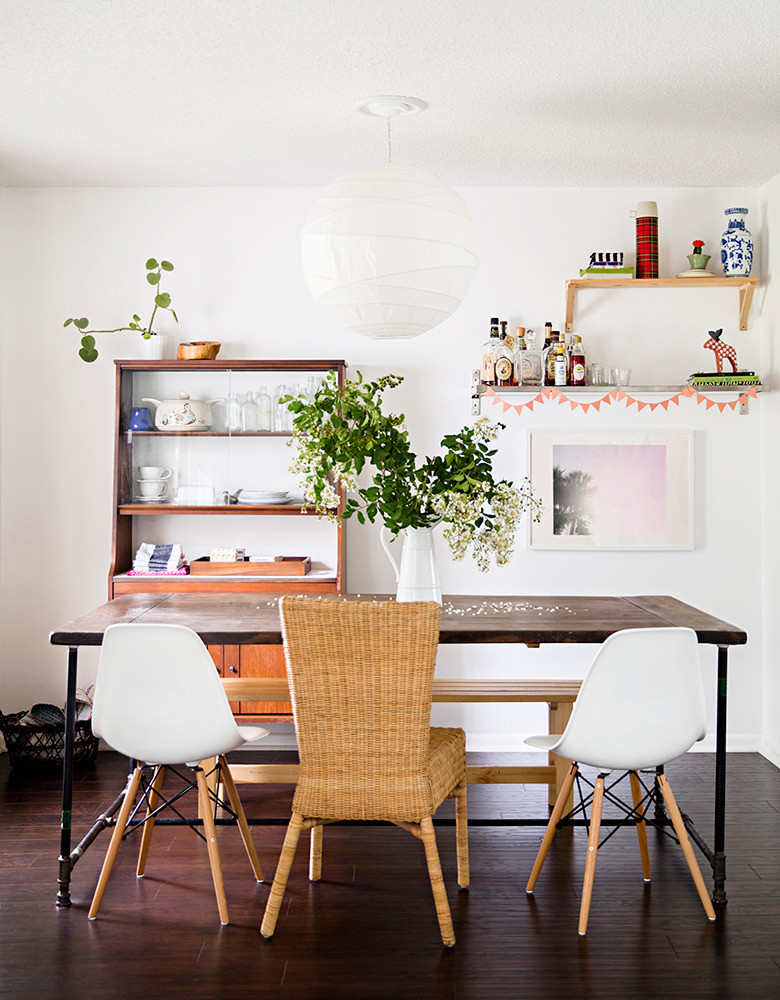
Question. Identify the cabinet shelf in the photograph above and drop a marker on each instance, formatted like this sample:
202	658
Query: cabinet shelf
179	508
282	509
316	582
745	286
225	461
216	434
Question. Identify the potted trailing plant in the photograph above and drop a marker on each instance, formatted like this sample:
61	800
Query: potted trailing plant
162	300
342	432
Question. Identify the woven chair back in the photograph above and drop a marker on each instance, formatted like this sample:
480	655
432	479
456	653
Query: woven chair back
361	680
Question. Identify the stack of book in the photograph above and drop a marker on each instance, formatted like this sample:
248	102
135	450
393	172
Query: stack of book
606	265
724	379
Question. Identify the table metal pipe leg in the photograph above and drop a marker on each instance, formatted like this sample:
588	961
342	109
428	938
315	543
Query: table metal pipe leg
65	863
719	838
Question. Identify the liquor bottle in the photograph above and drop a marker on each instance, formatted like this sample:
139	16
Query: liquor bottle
489	350
560	365
577	362
518	350
504	360
567	354
548	360
547	334
530	362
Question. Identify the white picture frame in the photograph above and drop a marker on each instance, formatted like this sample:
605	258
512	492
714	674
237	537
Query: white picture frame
612	490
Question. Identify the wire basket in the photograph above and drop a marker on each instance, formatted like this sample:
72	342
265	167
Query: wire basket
42	745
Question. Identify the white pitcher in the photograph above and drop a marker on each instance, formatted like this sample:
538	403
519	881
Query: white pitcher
417	578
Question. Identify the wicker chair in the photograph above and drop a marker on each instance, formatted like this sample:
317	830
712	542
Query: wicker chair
361	678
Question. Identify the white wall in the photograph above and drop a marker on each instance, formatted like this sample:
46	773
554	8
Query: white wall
237	279
770	420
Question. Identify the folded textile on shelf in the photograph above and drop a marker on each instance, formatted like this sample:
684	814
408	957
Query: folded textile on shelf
182	571
158	558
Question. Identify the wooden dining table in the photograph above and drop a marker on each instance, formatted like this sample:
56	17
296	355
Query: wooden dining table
253	618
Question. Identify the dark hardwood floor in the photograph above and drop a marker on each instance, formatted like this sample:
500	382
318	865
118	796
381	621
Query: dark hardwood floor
368	929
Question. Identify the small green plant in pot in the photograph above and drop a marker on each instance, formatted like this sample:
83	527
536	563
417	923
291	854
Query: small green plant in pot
162	300
343	432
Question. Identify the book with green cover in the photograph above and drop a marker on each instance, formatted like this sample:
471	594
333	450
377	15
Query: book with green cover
607	272
724	379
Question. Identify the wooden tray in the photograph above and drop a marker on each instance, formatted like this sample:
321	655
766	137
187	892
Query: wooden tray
281	566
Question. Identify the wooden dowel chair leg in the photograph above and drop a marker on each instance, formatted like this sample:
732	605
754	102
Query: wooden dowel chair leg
204	802
641	827
549	833
282	874
428	838
230	786
462	835
682	836
593	847
116	840
315	854
212	780
148	830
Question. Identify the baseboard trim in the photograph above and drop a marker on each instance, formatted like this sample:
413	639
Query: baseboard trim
771	750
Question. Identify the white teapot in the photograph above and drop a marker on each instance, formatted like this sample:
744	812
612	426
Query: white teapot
183	414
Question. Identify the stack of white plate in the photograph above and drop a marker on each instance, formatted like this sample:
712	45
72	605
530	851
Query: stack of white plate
264	498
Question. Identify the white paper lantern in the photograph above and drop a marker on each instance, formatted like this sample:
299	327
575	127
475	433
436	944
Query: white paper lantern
389	250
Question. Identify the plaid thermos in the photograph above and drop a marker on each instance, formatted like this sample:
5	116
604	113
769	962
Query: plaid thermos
646	239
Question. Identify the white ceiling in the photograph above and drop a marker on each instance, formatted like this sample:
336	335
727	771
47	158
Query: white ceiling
521	92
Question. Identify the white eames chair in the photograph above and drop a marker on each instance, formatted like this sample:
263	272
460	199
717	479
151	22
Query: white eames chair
640	706
159	700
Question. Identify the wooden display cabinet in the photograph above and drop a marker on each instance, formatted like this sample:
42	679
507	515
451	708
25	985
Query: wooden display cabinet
209	466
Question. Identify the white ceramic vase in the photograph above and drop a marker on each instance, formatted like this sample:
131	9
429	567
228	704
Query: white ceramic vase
417	576
152	348
736	245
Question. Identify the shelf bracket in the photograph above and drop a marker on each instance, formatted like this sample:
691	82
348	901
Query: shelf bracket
745	299
476	399
569	323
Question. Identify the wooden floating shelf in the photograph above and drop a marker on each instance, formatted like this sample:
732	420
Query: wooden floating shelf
746	287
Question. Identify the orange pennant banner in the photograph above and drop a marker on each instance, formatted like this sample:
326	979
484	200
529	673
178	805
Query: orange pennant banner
553	393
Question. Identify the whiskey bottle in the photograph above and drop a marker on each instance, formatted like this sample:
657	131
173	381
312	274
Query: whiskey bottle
530	362
504	360
489	352
548	360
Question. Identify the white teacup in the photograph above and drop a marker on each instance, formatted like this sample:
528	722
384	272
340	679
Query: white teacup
157	472
151	487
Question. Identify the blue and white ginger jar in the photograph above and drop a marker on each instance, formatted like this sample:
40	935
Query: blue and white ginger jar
736	245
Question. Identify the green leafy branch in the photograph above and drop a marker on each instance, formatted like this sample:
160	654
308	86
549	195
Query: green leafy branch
162	300
343	432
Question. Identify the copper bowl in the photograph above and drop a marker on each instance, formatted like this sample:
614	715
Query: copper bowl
199	350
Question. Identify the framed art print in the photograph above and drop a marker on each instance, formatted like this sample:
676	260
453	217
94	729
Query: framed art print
613	490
